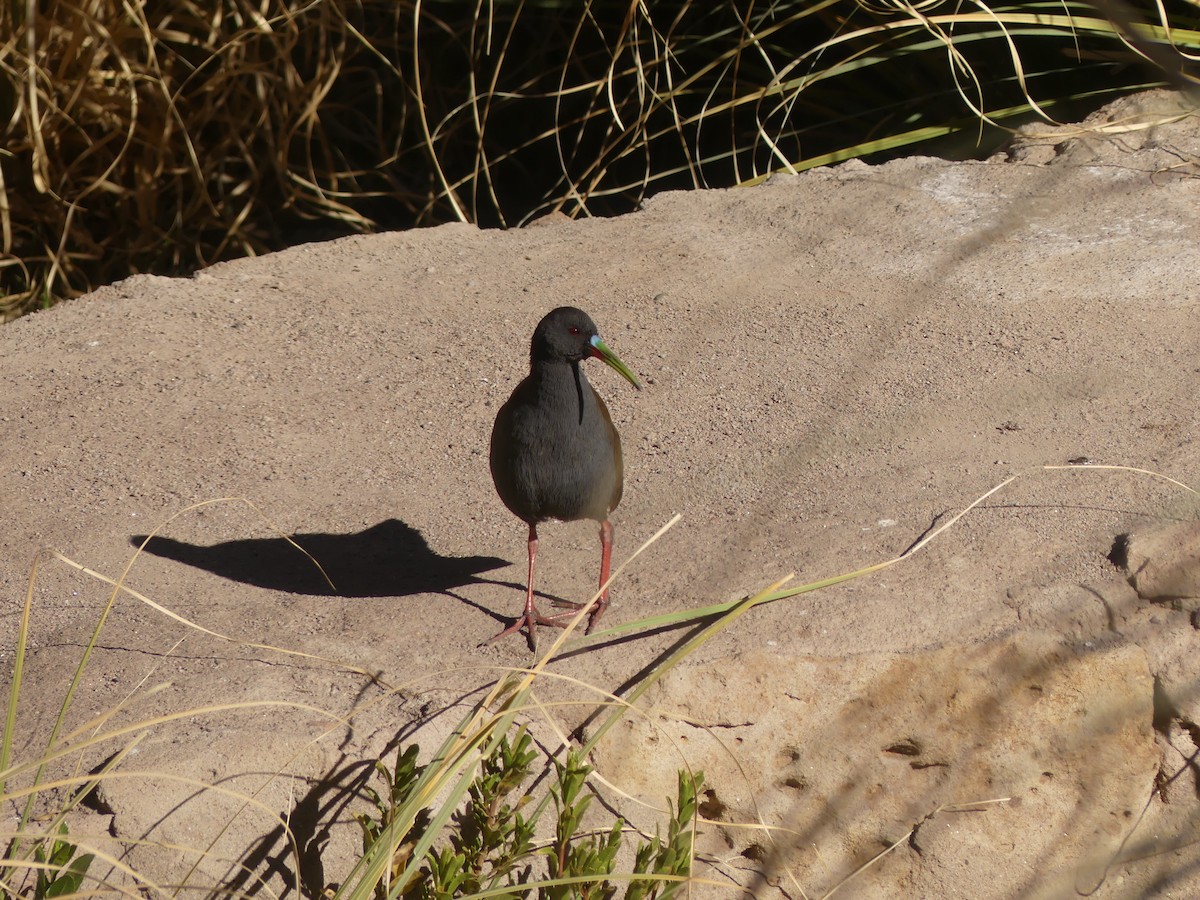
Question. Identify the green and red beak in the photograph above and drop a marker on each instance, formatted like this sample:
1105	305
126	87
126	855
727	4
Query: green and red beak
601	352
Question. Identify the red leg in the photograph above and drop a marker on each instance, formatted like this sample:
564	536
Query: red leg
530	618
531	613
606	542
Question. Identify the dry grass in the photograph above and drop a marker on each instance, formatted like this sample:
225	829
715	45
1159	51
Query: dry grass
135	144
162	138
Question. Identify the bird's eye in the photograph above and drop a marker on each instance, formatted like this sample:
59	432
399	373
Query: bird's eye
574	330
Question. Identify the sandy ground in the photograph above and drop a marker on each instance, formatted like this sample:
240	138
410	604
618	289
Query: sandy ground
835	364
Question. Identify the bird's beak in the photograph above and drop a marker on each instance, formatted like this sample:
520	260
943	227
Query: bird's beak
600	351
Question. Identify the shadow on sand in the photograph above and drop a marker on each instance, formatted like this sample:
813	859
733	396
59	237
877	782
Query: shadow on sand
390	559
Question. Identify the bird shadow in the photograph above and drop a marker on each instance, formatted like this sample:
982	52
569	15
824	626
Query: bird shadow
386	560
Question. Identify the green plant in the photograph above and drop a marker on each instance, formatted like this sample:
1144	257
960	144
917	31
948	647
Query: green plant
399	783
489	849
63	871
579	861
671	858
58	868
493	838
487	841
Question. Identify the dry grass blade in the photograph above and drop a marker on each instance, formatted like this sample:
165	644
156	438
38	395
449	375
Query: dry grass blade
1103	468
48	799
908	835
447	778
770	596
120	587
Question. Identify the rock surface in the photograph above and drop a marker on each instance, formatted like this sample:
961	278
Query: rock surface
1162	561
836	364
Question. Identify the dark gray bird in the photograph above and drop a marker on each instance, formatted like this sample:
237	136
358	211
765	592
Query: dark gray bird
555	453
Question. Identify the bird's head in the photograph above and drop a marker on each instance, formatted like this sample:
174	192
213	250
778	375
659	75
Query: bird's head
569	334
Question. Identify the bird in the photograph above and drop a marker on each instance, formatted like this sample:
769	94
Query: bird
555	453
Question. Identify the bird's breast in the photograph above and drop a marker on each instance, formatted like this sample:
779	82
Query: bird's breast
555	453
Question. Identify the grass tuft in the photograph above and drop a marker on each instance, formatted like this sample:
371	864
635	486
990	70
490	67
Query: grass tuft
165	137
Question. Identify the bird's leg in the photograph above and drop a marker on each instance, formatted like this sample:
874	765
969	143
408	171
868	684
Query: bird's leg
606	542
530	618
531	613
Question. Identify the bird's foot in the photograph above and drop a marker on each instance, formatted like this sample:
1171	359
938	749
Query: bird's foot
528	621
597	612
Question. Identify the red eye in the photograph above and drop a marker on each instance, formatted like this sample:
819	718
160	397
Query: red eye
574	330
